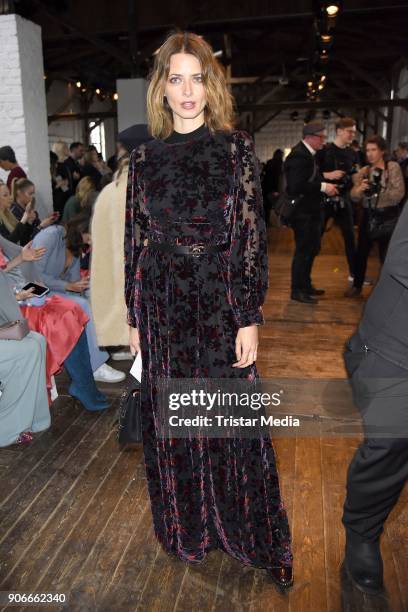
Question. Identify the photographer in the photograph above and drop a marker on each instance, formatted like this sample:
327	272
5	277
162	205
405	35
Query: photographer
380	187
338	162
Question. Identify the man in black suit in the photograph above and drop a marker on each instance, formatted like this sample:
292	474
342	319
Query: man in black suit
306	184
74	170
376	359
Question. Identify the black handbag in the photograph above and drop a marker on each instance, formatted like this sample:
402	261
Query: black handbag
381	221
381	224
130	418
286	205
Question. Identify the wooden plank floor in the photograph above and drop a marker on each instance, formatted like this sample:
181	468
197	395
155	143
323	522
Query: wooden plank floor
75	515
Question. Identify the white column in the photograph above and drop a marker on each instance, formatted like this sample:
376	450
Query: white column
400	123
131	102
23	111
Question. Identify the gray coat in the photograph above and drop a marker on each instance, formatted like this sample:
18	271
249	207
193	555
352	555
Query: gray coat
9	310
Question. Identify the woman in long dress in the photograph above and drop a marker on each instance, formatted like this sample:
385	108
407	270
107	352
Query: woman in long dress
194	294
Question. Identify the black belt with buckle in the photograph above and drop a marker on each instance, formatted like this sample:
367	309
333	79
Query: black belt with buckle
193	249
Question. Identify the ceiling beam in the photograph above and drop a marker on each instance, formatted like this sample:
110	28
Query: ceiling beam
361	74
76	116
266	120
106	47
286	104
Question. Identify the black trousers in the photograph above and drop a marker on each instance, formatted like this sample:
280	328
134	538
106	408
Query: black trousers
307	230
364	247
343	217
379	468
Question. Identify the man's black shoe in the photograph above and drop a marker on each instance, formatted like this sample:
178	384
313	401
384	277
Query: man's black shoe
364	565
301	296
314	291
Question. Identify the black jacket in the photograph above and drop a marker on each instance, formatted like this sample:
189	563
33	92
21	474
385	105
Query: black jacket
299	167
384	326
22	233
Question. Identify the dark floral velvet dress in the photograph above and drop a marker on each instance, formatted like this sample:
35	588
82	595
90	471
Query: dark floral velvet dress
201	188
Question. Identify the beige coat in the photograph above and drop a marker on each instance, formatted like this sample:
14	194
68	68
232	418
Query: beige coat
107	265
392	185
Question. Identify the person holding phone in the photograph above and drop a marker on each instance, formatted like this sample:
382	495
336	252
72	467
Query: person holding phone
24	200
60	271
18	231
196	275
61	321
23	395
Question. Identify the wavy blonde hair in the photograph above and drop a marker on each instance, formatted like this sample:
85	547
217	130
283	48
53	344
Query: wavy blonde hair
219	109
60	148
6	216
84	187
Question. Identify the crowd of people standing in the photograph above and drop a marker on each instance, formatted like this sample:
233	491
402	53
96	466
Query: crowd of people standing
362	192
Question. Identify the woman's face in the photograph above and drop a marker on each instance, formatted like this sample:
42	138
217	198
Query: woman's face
5	197
184	88
25	196
94	156
374	154
86	238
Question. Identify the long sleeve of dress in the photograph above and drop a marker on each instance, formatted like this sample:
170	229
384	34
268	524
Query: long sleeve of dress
135	233
248	258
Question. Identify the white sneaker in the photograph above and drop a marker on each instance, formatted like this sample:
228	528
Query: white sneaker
367	281
105	373
121	356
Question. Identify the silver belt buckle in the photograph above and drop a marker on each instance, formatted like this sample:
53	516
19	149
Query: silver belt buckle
197	250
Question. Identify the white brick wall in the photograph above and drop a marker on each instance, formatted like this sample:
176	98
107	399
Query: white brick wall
283	133
23	113
132	102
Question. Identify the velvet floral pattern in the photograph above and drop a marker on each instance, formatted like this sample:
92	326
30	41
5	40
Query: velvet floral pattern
201	188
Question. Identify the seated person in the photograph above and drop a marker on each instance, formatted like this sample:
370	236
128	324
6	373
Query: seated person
84	198
24	198
59	269
59	320
19	222
12	229
23	400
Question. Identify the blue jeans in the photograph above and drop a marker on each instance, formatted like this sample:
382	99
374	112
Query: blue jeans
98	356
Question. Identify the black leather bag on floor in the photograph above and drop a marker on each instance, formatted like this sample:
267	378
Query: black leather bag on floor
130	418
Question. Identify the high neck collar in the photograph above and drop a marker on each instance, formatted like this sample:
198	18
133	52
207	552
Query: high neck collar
177	137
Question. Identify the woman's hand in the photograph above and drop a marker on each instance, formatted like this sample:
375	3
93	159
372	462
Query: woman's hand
78	286
49	220
25	295
30	254
134	340
29	215
246	346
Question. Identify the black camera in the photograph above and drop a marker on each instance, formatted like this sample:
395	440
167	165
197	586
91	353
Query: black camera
374	186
